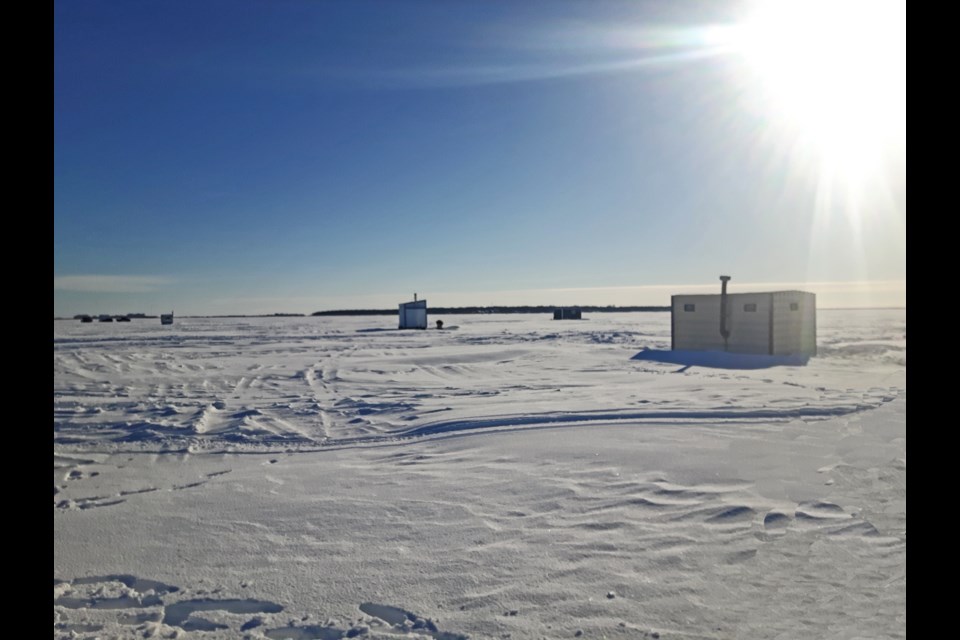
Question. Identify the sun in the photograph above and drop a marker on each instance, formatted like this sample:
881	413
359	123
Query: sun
832	70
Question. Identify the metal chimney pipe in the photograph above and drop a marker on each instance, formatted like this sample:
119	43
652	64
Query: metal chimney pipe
724	310
414	297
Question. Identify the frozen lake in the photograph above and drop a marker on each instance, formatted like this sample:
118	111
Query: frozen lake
512	474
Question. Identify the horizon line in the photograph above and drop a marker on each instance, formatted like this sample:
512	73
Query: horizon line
344	312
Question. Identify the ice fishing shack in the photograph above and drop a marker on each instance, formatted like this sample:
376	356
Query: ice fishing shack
769	322
413	315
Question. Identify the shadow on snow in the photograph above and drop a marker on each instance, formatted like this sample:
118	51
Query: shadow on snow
721	359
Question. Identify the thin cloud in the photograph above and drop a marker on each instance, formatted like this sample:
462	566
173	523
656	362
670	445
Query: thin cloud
109	284
527	53
473	75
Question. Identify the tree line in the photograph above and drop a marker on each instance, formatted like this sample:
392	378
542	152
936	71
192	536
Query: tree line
545	309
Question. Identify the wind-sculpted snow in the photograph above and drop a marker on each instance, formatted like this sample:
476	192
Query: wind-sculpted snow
305	383
308	478
136	607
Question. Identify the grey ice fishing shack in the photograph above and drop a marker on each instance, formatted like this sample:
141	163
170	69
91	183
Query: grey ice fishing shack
770	322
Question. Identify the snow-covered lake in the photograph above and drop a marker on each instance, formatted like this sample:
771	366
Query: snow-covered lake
509	476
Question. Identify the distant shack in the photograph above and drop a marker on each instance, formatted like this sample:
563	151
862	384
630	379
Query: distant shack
567	313
413	315
166	318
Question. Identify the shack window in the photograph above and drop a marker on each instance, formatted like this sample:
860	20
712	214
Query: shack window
689	307
794	306
752	307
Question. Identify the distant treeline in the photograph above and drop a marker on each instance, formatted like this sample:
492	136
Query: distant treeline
467	310
80	316
253	315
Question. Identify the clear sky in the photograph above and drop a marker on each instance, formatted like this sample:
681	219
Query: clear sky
298	155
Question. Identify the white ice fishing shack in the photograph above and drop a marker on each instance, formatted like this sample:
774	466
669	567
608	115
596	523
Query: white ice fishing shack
770	322
413	315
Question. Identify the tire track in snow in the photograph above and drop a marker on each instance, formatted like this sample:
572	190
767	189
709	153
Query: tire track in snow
323	393
212	425
586	417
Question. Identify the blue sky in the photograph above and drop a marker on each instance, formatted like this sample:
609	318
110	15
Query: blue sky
258	157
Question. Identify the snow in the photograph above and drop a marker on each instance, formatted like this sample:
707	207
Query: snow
336	477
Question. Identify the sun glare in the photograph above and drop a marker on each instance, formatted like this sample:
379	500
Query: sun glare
835	71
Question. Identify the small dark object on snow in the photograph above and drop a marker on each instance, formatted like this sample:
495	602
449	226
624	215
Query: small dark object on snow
439	324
